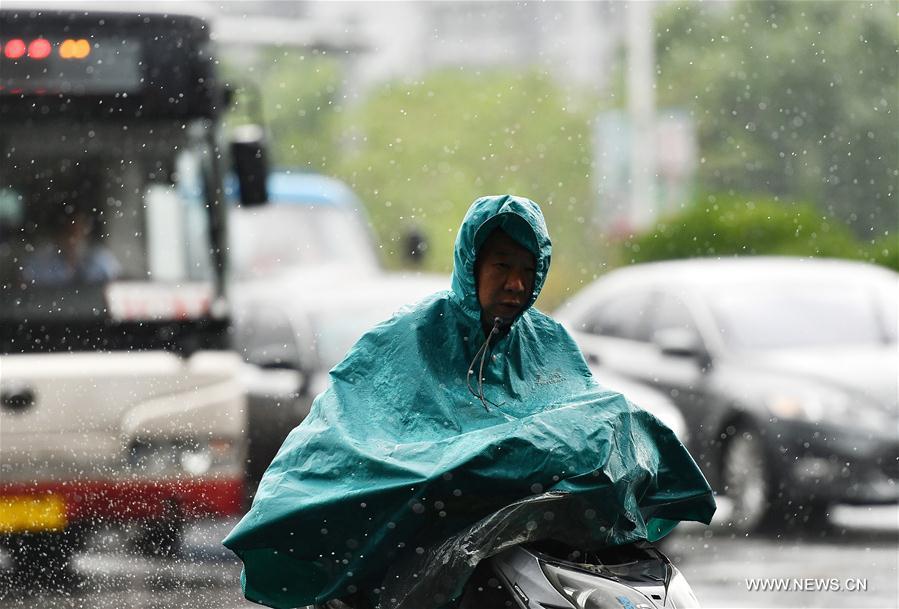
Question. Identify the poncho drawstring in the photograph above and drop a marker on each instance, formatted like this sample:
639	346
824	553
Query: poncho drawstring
482	352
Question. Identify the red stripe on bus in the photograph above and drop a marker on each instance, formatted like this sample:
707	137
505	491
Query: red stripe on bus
123	501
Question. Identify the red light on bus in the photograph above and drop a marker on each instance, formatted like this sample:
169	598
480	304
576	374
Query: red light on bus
39	48
74	49
14	48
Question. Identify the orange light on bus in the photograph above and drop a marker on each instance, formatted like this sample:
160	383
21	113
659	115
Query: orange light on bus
67	49
14	48
39	48
74	49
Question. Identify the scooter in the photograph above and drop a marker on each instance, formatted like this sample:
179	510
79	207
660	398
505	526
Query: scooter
537	553
634	576
548	576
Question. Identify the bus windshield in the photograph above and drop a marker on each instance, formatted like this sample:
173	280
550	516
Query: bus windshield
86	204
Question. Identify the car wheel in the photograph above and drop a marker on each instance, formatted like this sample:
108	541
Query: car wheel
810	516
746	480
44	560
162	538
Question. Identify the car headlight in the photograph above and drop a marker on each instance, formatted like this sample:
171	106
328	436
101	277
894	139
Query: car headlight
828	406
586	591
191	458
809	405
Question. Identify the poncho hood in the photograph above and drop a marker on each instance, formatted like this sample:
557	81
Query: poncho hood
397	455
518	217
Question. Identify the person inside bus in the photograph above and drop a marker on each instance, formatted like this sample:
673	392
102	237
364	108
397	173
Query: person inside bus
71	256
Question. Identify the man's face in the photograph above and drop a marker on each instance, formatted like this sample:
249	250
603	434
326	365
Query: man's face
505	277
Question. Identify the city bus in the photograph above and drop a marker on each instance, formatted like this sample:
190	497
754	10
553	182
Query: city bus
120	398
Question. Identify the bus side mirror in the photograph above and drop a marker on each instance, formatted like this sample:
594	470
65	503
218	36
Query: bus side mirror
250	164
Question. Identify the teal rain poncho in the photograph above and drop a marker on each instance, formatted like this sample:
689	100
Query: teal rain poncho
398	455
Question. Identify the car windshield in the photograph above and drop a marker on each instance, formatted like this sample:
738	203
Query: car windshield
281	237
337	331
763	316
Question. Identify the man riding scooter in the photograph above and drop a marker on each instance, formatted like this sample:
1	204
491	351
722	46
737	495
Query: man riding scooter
443	415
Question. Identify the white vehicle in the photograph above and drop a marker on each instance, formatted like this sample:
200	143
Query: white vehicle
120	398
296	328
313	222
307	283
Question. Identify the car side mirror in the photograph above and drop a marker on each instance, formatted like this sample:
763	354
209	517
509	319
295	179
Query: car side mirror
679	342
280	380
248	152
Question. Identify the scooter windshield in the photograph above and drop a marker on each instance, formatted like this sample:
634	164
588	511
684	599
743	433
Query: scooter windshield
436	575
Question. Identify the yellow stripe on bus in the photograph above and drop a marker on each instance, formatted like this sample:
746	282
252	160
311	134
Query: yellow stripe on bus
19	514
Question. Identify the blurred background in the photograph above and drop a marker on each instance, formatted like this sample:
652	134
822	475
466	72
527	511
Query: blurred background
648	130
760	137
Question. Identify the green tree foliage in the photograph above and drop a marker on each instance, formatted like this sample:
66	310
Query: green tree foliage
796	99
885	251
738	226
420	152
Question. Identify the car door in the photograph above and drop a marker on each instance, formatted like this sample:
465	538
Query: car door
678	363
613	333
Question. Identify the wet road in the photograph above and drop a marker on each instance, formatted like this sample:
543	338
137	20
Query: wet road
206	575
823	568
861	544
